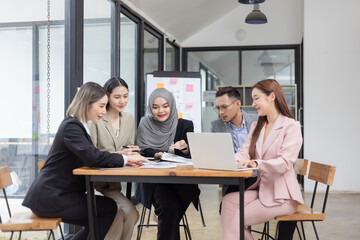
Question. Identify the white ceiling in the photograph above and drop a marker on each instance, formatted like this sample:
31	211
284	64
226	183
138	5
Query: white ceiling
183	18
215	22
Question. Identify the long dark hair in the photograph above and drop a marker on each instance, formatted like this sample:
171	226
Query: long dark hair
113	83
268	86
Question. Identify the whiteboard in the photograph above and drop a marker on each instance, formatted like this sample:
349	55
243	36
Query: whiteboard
186	87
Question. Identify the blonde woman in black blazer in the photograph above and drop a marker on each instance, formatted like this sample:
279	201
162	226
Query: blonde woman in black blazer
56	192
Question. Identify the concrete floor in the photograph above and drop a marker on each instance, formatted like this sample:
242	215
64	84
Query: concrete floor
342	220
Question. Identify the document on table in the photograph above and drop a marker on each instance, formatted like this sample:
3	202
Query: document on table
159	165
175	158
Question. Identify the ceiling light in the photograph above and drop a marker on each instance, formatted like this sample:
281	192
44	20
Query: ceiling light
256	16
251	1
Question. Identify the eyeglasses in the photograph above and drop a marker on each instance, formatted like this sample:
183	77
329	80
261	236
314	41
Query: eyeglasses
223	107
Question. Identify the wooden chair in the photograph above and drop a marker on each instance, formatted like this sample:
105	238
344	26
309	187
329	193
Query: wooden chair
141	224
24	221
319	173
300	168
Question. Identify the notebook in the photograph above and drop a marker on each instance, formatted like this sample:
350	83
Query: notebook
213	151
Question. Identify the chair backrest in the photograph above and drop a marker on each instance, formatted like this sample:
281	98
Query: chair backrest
40	165
5	177
300	166
324	174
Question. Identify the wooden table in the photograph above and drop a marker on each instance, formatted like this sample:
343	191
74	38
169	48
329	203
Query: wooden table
173	175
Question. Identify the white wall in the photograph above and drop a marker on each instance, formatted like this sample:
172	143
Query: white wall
332	87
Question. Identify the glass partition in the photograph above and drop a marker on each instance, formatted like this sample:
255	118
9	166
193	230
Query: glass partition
257	65
128	58
151	53
172	55
97	41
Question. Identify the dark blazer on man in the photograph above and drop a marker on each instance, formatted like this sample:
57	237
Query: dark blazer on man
56	188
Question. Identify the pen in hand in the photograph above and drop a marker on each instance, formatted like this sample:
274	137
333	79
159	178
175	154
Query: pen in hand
129	147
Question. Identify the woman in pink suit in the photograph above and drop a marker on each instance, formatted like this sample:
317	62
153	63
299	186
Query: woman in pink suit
273	145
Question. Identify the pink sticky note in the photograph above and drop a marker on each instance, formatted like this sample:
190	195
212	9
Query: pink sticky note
173	80
188	105
189	87
36	90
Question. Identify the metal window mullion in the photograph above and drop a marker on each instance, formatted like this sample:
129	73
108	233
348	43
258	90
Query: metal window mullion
74	48
115	39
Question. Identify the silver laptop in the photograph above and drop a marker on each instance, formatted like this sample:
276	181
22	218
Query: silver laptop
212	151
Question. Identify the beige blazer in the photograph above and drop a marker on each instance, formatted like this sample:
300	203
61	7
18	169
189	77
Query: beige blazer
104	138
276	157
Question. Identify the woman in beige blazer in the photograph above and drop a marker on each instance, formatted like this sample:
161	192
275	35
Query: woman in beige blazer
114	131
273	145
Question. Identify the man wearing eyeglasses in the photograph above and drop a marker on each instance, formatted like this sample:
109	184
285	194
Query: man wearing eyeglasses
237	122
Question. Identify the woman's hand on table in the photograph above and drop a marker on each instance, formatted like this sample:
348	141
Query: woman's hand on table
181	145
136	160
158	155
246	163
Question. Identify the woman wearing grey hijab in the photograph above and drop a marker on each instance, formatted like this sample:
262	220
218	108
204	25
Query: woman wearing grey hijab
160	131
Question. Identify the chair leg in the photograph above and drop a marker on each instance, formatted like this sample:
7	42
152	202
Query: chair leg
11	236
186	227
61	232
263	232
298	231
302	228
148	220
185	230
201	214
141	223
51	233
317	236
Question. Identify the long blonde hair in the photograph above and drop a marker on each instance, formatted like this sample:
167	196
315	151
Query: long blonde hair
89	93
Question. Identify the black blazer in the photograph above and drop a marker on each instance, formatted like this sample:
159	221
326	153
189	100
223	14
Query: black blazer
56	188
182	128
144	191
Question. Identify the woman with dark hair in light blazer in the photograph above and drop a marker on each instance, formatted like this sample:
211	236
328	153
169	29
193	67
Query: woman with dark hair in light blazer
56	192
273	145
111	133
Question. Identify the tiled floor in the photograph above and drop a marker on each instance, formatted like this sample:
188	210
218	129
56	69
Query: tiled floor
342	220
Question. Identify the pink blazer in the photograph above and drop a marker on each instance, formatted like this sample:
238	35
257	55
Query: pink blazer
276	157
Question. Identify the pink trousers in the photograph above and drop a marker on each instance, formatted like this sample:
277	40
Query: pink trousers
255	213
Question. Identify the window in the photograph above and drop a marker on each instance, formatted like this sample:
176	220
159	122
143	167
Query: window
128	57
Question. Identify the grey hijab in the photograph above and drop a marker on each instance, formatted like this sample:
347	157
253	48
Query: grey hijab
152	133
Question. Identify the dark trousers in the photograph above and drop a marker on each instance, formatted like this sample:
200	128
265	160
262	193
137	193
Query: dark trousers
78	215
170	202
286	230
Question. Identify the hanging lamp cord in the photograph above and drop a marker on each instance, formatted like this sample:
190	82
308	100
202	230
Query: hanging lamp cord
48	74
